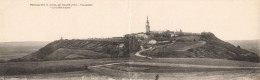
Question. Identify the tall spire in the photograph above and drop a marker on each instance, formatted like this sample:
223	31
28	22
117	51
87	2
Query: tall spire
61	38
147	26
147	20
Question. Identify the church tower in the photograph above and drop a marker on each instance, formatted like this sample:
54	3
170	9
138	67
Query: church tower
147	26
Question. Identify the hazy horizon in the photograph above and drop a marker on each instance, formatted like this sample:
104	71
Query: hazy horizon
227	19
70	39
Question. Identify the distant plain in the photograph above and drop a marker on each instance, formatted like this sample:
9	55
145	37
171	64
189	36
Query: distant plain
11	50
250	45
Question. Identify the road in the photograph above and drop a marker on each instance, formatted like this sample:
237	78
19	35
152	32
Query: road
104	64
142	50
174	65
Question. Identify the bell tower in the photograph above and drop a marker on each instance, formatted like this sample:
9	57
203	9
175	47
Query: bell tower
147	26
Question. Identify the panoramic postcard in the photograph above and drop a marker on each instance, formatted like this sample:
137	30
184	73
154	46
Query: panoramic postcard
129	39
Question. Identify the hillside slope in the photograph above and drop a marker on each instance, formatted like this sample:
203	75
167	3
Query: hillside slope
216	48
74	49
212	48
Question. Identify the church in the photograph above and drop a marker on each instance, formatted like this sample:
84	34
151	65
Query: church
148	34
152	33
148	31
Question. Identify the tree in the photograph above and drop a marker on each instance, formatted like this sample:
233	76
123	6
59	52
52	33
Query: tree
238	46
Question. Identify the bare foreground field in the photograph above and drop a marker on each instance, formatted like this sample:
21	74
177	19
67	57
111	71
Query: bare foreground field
87	75
166	68
18	68
206	61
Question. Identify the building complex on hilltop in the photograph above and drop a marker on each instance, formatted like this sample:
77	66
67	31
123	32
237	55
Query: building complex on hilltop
166	35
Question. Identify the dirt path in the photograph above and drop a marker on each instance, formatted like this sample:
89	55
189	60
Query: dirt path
105	64
142	50
190	65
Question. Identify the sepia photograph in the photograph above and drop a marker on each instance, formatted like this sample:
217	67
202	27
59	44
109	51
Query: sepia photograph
129	39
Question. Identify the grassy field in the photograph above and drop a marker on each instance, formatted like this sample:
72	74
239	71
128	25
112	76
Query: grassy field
185	45
179	46
88	75
185	67
177	50
191	65
17	68
64	53
206	61
165	67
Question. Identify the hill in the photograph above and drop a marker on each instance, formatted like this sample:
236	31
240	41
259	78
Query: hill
206	45
75	49
217	48
213	48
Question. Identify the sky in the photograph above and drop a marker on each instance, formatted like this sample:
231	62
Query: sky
227	19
